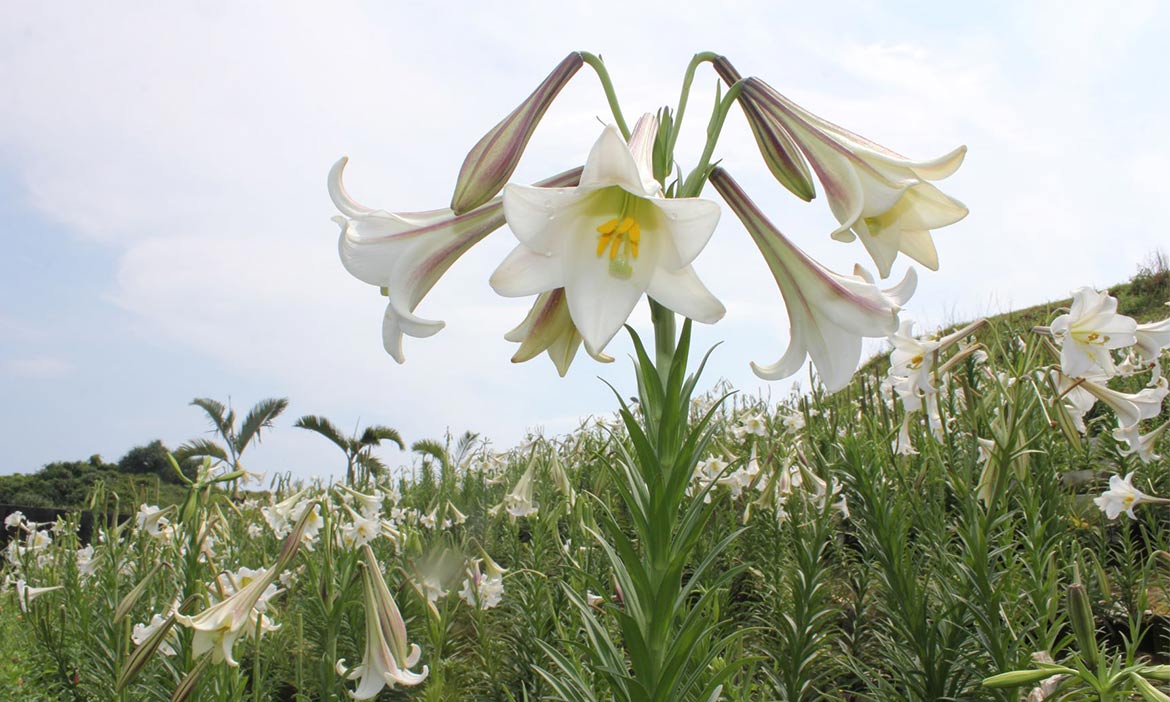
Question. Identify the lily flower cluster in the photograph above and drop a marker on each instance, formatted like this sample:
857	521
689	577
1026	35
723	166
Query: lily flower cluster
916	376
1090	337
593	241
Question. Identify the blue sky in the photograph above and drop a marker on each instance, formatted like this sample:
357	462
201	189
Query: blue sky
166	227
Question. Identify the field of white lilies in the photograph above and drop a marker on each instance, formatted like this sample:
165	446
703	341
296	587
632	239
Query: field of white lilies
977	516
853	546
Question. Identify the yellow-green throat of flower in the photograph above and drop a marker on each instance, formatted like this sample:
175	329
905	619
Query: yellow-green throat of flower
620	237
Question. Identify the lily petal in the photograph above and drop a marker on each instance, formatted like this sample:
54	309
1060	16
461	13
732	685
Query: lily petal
828	313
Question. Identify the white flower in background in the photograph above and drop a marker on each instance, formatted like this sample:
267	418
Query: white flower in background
753	424
153	520
141	632
609	240
912	359
279	515
828	313
360	531
255	531
903	446
39	540
792	421
1152	339
14	520
86	564
428	521
1122	496
26	594
519	503
877	195
484	585
1088	332
1141	444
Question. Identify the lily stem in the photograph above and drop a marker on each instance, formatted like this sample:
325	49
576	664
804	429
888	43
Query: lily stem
665	338
698	177
598	67
688	78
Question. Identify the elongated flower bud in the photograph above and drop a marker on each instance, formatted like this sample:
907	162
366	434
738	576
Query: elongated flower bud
1018	678
491	161
776	146
1080	618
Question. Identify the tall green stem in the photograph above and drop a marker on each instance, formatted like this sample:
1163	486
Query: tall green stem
598	66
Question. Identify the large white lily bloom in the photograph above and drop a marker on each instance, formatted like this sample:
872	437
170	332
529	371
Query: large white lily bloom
218	626
877	195
1088	332
829	313
609	240
405	254
1122	496
389	655
549	327
1130	408
912	358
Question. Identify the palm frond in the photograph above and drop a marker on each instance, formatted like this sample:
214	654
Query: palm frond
376	434
374	466
432	448
325	428
198	448
260	416
216	412
464	446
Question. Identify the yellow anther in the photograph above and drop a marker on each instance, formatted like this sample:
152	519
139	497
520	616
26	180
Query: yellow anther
635	233
1093	336
608	227
627	224
613	249
603	242
634	248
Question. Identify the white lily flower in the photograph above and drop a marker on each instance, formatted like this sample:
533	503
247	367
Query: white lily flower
14	520
407	253
912	358
217	627
142	632
389	654
1152	339
828	313
153	520
1141	444
1089	330
610	240
1122	496
753	424
519	503
877	195
26	594
549	327
1130	408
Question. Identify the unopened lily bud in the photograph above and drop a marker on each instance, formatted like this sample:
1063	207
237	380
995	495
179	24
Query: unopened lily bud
1157	672
133	596
776	146
491	161
1018	678
1148	691
1080	618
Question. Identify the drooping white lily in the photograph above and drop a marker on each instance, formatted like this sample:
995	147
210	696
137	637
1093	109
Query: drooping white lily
1130	408
1088	332
405	254
1122	496
1141	444
828	313
26	594
1152	339
610	240
389	654
912	358
549	327
217	627
519	503
877	195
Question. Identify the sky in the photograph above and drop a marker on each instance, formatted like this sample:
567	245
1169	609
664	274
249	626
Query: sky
166	228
